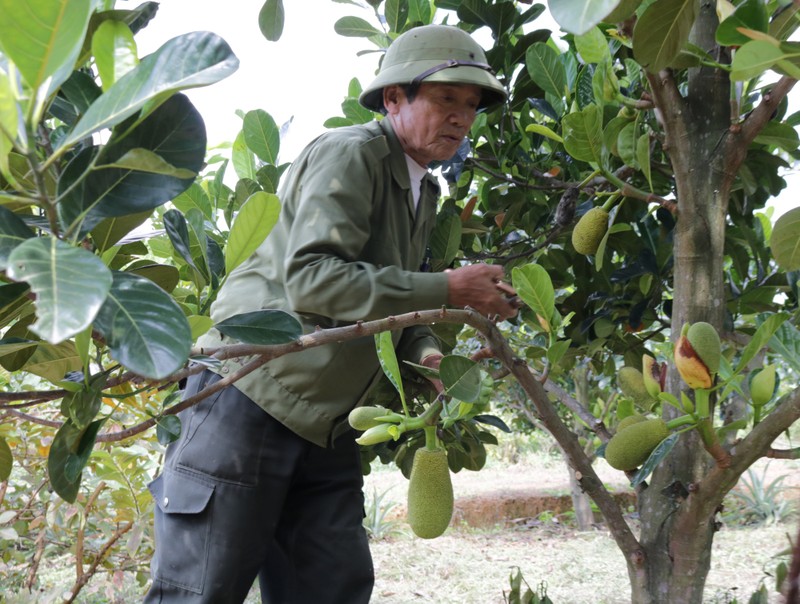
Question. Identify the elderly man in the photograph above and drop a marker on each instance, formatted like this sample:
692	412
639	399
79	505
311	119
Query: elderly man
266	478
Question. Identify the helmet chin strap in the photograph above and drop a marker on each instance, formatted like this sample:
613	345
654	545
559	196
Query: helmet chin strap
450	63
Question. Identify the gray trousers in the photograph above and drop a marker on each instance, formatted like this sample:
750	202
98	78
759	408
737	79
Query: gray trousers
242	497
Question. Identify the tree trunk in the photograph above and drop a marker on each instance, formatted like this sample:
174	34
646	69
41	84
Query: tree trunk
676	535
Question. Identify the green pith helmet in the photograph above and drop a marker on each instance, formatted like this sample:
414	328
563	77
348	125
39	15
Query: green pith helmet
434	53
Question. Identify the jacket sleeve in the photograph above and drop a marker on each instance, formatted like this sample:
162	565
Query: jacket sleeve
324	274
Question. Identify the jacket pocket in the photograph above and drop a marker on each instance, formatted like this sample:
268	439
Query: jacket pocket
182	529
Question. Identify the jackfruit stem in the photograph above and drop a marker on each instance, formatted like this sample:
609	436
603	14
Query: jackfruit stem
683	420
431	440
701	402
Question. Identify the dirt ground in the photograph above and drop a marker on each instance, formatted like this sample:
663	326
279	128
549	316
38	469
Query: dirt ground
517	515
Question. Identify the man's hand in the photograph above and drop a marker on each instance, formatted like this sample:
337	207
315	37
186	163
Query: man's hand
480	286
432	361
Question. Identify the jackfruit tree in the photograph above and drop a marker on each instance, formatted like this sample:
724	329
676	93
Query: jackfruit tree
624	186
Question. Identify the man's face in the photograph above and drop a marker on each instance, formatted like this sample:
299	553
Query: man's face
432	126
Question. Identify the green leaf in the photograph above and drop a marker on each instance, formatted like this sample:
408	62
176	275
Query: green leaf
534	286
583	134
70	285
109	231
262	135
168	429
194	197
445	241
261	327
778	134
662	31
592	46
199	324
546	70
43	37
175	131
188	61
83	405
9	123
786	343
396	13
69	454
557	350
544	131
388	360
270	20
253	223
6	460
244	161
579	16
760	339
144	327
784	242
751	14
144	160
499	17
53	361
178	232
627	142
114	51
13	231
659	453
461	377
754	58
354	27
163	275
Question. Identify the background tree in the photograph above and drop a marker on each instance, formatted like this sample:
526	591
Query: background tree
655	119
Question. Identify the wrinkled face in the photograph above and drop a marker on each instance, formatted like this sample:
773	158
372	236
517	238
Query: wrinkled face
432	126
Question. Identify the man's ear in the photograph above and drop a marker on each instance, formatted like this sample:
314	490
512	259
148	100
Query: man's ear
392	95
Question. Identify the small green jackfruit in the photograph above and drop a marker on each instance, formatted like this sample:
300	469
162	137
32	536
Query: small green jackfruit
629	448
631	381
589	232
364	418
625	422
762	385
705	340
377	434
697	354
430	494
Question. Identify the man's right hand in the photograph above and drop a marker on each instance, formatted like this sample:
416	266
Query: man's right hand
480	286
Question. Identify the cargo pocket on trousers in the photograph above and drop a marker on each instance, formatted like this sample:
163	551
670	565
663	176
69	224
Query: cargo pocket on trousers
182	527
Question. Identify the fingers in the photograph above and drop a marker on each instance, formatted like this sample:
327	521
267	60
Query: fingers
480	286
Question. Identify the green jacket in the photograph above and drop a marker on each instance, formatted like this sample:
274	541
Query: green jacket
347	247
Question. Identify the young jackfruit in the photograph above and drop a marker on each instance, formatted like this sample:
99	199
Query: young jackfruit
705	340
630	448
626	422
697	354
363	418
631	381
589	232
430	493
762	385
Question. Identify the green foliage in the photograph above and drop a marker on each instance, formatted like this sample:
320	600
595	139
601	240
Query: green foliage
378	519
516	595
760	500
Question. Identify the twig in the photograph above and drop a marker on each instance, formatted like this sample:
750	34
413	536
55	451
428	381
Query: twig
37	556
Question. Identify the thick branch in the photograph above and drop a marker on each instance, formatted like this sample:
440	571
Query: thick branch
719	480
671	114
578	460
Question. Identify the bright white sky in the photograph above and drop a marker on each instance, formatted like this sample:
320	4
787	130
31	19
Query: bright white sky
303	76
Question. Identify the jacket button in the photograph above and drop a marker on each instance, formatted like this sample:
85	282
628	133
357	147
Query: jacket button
166	501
